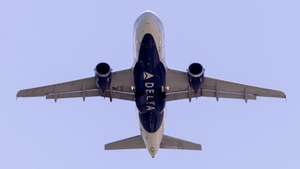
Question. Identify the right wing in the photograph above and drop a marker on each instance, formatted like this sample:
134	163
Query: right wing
179	88
121	84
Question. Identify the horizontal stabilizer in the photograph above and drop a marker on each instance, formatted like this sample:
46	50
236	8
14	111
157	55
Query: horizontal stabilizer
135	142
175	143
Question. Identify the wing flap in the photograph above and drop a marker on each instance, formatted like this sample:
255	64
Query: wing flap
208	93
92	93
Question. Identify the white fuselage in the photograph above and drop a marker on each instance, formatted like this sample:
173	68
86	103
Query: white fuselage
146	23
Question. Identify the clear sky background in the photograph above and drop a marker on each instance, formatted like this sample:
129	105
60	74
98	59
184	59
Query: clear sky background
251	42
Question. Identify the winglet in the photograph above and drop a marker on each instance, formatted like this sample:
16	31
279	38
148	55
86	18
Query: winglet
18	94
283	95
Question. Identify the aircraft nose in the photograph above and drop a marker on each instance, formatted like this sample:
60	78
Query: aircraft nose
149	15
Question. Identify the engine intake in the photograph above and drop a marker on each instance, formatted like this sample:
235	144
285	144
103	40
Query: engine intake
103	76
195	75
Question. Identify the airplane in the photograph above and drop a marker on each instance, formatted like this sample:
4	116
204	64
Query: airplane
150	84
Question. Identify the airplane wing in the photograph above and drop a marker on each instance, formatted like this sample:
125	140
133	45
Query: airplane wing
178	85
121	83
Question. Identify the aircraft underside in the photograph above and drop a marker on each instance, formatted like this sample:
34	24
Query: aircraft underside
150	84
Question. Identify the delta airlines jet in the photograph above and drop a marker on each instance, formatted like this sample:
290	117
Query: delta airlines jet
150	84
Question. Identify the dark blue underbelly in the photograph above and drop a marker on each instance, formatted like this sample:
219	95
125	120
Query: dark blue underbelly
149	79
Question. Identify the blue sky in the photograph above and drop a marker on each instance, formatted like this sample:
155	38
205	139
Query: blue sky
252	42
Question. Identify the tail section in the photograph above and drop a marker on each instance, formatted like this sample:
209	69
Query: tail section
135	142
167	142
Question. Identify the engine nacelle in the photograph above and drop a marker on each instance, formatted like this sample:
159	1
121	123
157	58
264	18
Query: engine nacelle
103	76
195	75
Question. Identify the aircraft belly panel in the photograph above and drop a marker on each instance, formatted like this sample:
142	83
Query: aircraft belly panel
149	79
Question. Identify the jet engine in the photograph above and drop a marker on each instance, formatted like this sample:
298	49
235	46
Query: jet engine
103	76
195	75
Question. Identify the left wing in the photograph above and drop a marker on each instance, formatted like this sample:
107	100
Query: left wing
178	85
121	84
